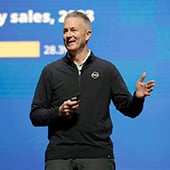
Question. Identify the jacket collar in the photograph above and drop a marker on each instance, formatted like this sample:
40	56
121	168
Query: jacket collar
68	60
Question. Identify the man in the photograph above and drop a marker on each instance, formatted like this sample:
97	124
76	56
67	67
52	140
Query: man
72	98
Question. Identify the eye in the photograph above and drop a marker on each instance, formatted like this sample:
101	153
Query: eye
65	30
74	30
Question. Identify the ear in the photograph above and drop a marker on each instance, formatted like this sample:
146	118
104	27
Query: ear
88	35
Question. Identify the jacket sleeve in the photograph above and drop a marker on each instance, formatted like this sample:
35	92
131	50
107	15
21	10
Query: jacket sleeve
42	113
123	100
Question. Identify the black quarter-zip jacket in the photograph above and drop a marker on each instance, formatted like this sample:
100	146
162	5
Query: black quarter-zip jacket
87	133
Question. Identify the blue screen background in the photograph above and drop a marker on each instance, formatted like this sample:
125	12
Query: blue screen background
134	35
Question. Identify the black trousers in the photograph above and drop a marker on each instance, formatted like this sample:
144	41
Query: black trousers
81	164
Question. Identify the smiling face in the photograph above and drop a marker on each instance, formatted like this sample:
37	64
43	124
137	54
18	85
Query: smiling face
75	34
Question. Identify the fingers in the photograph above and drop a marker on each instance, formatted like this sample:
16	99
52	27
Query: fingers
142	77
68	108
72	105
144	88
150	86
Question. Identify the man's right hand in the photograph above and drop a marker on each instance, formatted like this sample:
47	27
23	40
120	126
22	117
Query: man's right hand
68	108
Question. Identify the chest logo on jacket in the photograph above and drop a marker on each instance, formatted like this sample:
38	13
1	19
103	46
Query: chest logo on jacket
95	75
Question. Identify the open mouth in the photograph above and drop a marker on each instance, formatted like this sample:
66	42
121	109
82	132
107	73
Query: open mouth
69	43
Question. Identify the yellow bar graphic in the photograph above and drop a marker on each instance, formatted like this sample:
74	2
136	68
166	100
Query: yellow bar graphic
19	49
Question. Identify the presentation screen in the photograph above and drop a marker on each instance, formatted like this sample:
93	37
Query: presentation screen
133	35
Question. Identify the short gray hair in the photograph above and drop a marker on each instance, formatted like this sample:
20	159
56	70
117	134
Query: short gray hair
81	15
